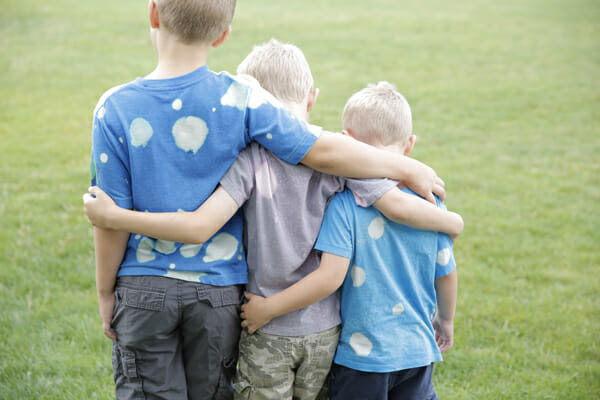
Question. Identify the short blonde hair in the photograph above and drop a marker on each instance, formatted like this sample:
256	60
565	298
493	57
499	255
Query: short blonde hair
196	21
281	69
378	112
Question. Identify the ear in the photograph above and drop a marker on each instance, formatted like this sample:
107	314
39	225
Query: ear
153	14
409	146
312	99
348	132
222	38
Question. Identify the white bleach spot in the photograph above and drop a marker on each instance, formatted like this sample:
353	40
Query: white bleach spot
235	96
121	139
222	247
177	104
315	130
190	250
358	276
138	236
144	251
443	256
101	112
141	131
259	96
398	309
256	99
214	109
190	133
165	246
376	228
269	136
360	344
266	183
239	257
172	266
189	276
104	158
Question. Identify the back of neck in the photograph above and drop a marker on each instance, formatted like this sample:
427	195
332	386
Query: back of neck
177	59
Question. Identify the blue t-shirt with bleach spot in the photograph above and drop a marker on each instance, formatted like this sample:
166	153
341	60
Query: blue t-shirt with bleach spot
164	145
388	297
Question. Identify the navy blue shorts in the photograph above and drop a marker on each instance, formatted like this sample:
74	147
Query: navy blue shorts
408	384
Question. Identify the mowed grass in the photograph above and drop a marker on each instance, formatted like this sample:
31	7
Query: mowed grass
506	104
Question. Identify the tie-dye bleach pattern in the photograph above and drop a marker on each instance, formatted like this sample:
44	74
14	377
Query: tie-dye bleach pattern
388	297
163	145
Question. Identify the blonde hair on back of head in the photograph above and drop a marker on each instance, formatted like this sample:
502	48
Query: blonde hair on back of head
378	112
196	21
281	69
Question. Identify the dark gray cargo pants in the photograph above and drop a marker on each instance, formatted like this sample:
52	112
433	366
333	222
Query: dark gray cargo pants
176	339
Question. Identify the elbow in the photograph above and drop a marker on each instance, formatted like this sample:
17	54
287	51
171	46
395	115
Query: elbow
459	224
196	234
197	240
317	161
321	156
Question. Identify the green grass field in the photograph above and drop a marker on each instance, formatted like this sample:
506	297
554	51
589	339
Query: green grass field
506	104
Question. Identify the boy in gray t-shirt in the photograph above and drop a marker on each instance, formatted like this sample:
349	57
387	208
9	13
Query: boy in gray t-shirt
283	208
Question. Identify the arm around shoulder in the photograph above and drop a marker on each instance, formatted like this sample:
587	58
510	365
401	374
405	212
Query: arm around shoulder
407	209
337	154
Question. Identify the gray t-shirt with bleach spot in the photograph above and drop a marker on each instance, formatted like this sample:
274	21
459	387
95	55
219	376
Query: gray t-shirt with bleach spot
283	208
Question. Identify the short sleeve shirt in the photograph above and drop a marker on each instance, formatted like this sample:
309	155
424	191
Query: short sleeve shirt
163	146
388	296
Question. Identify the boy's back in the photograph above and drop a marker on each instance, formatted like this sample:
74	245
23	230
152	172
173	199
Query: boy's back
388	297
284	206
163	145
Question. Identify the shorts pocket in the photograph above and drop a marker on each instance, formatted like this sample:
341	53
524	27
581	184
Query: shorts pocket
127	382
228	368
220	296
142	299
123	361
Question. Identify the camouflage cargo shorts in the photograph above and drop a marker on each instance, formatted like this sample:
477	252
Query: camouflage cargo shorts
275	367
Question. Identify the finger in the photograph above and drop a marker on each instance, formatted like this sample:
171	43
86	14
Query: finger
87	197
440	191
440	181
248	295
243	315
251	330
430	198
110	334
93	190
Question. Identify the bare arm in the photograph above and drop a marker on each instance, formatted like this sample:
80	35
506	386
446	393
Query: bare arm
446	289
110	247
341	155
410	210
313	287
187	227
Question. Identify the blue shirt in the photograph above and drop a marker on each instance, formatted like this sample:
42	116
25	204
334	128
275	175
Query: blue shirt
388	296
163	146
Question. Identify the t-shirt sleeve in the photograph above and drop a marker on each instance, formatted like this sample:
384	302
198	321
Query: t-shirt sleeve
445	262
368	191
109	161
277	129
239	179
336	235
